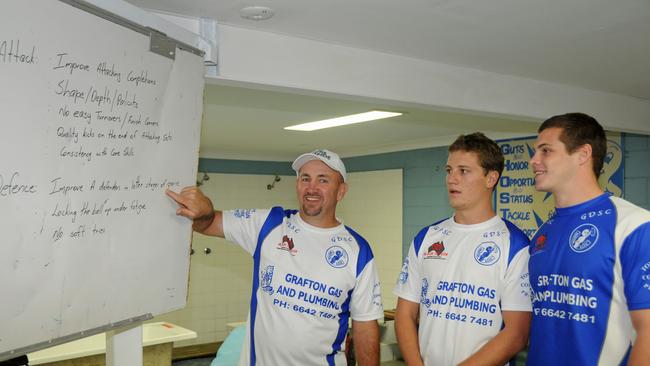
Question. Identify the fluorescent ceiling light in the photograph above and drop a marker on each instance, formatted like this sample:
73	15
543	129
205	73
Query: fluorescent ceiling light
341	121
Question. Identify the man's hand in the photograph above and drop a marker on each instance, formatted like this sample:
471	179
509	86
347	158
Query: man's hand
196	206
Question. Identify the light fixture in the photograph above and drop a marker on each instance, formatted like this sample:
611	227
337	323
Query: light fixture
256	13
341	121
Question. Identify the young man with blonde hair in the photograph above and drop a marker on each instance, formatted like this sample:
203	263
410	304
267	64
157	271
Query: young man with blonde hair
463	292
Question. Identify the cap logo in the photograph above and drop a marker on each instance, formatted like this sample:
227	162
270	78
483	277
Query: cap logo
330	159
322	154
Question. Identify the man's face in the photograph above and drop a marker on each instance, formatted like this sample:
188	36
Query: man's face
319	188
467	185
552	164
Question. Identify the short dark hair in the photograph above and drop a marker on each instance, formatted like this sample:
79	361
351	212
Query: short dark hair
580	129
489	153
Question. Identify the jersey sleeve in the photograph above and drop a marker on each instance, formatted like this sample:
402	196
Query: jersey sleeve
516	295
408	285
635	267
366	296
243	226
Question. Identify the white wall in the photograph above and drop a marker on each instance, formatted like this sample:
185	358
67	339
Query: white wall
220	283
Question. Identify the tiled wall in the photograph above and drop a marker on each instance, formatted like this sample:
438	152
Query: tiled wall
220	282
424	193
373	208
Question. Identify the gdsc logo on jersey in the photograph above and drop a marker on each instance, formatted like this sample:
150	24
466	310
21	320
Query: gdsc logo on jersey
487	253
597	213
583	238
336	257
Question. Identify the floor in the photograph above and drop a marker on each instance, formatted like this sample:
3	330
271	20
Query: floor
205	361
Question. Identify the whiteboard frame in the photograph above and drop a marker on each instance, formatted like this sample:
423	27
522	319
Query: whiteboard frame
146	30
155	36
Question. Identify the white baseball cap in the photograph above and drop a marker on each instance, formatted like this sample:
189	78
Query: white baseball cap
330	158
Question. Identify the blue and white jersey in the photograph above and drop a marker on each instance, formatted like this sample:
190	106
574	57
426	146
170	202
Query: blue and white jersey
463	276
589	266
307	283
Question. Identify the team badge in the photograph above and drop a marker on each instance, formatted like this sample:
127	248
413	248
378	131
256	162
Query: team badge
583	238
336	257
267	278
487	253
287	245
540	244
436	251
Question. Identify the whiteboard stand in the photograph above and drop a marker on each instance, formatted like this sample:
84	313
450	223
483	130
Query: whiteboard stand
124	345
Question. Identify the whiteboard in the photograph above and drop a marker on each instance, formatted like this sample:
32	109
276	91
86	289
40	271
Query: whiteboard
94	128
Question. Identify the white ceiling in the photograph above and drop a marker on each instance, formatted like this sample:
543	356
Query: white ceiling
595	44
241	123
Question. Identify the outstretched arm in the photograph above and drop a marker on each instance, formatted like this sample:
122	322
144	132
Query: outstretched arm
505	345
198	207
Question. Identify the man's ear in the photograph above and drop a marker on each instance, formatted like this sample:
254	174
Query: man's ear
585	153
343	189
492	179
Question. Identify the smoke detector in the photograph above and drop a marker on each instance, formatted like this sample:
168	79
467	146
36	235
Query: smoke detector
256	13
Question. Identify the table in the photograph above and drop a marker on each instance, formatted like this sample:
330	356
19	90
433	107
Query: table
157	339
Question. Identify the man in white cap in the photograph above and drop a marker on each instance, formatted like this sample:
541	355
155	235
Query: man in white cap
310	272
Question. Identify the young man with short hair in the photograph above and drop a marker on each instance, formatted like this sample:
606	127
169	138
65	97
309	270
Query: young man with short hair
590	262
464	295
